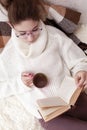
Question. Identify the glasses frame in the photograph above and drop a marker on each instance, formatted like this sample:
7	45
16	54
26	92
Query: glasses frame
25	34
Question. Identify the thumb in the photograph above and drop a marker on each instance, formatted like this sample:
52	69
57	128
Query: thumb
78	81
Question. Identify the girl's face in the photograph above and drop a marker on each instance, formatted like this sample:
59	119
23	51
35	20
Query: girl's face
28	30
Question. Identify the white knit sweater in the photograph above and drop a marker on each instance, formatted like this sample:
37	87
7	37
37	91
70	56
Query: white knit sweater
53	54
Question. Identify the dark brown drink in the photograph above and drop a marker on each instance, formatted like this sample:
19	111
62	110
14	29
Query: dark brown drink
40	80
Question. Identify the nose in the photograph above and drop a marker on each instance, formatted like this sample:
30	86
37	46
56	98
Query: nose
30	38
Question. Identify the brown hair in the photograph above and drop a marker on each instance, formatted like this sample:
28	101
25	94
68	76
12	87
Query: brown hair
5	3
19	10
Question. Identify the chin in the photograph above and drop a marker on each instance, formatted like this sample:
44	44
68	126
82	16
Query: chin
31	42
28	42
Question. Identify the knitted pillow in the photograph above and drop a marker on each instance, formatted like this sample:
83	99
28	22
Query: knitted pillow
5	30
67	19
5	33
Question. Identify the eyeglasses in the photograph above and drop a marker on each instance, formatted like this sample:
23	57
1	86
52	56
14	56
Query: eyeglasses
25	34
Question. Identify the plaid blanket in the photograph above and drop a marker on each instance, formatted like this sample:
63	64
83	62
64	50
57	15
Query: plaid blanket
70	18
5	33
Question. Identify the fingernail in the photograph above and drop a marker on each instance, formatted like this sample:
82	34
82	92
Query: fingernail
31	74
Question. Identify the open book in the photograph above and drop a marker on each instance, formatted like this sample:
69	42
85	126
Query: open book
52	107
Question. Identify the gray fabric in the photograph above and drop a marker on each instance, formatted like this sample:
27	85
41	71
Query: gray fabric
74	38
5	29
67	26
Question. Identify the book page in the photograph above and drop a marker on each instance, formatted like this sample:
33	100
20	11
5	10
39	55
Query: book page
52	112
65	92
75	95
67	89
51	101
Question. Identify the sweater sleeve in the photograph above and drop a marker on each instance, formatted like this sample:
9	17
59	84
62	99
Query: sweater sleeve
73	56
10	86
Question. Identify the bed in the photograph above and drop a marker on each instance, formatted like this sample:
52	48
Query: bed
13	115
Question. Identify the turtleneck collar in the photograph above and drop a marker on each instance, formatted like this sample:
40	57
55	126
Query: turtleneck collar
34	49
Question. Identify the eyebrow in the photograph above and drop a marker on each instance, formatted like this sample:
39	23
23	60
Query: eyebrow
26	31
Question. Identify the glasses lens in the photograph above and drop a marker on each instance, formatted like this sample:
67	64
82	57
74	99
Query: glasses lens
24	35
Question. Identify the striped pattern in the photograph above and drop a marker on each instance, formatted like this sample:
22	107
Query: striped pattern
66	20
70	18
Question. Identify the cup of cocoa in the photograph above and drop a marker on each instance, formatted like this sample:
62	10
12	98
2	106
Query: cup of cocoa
40	80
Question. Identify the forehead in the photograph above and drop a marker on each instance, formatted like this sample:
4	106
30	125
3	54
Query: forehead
26	25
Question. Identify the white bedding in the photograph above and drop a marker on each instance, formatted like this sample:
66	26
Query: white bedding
13	116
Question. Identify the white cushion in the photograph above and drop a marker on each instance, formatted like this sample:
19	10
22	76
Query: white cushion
81	32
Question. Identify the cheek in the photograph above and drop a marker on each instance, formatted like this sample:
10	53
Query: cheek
36	37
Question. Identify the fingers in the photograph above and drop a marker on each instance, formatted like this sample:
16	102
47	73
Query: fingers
27	74
81	79
27	78
28	83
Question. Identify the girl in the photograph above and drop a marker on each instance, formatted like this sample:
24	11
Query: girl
33	48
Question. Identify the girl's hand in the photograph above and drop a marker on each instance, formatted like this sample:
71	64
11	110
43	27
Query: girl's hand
81	79
27	78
